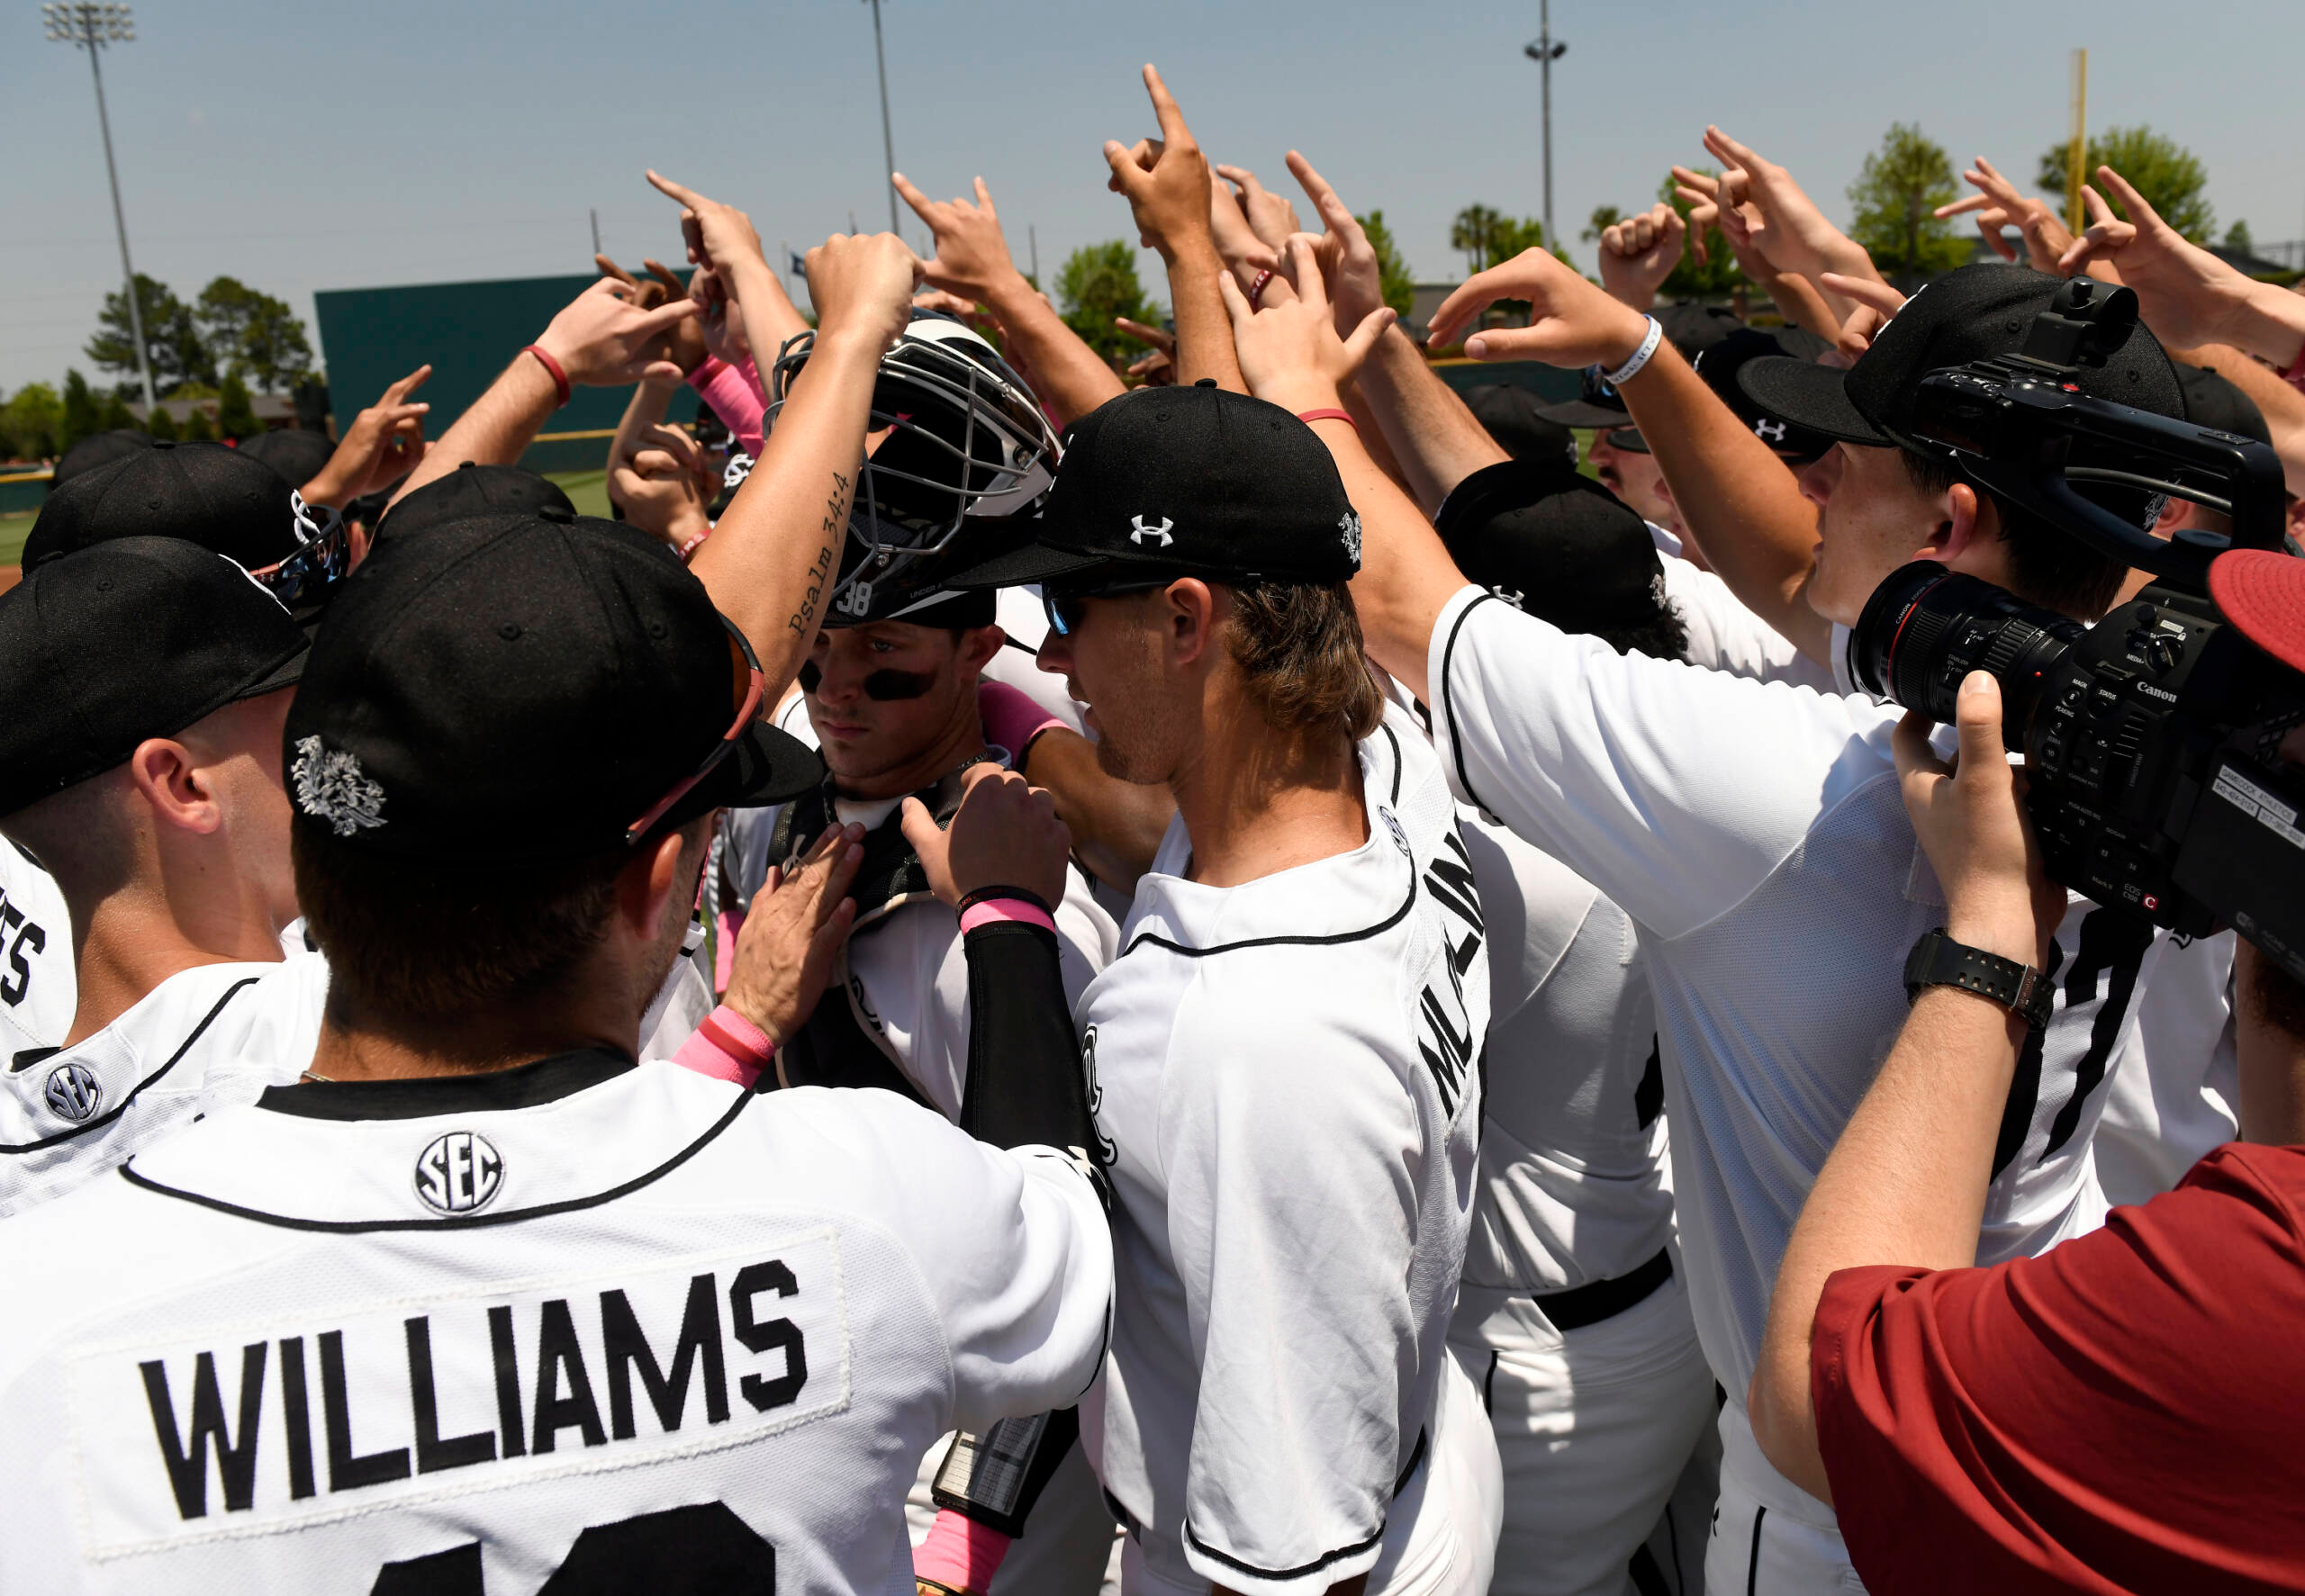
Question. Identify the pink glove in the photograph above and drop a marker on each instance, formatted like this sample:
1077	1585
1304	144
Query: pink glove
1012	719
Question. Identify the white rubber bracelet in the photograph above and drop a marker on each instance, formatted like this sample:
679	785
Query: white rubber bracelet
1632	368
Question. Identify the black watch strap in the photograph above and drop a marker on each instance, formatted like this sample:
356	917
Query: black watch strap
1938	961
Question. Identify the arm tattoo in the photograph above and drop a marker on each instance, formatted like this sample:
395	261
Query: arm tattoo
835	522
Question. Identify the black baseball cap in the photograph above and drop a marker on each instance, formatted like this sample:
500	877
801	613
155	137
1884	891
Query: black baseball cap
473	489
2212	400
525	687
1719	365
1192	480
129	638
297	455
1512	415
96	451
1555	544
202	492
1972	313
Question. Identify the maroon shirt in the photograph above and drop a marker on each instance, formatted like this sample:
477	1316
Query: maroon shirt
2125	1413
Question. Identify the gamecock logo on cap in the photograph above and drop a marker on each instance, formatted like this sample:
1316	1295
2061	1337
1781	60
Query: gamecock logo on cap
458	1173
329	786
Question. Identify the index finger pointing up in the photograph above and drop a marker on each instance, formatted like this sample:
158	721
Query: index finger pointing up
672	189
1164	107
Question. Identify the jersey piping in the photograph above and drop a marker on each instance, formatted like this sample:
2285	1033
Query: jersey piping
1400	1482
1449	706
1334	939
122	1107
471	1222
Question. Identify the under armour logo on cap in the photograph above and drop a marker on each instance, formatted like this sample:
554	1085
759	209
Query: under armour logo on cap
1142	531
330	787
1768	431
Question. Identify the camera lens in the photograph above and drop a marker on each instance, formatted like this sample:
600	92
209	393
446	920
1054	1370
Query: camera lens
1925	628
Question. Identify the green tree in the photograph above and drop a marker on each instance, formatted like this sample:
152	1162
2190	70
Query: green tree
1392	272
252	335
172	339
80	417
197	427
1098	282
30	421
2170	177
2237	237
1896	192
1487	236
235	416
162	424
117	416
1603	218
1719	275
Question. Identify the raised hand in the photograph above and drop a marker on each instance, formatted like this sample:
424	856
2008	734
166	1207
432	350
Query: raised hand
1165	180
785	954
1876	304
1572	322
1157	369
663	485
1640	252
1783	223
1005	834
717	235
1271	217
383	444
1347	261
2187	296
1998	204
720	319
972	257
1290	348
861	285
602	339
686	344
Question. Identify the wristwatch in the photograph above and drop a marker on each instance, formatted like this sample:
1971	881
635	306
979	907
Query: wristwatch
1938	961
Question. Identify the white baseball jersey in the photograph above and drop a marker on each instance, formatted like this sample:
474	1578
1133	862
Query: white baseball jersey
1287	1074
581	1325
38	991
906	973
205	1039
1726	636
1755	833
2177	1095
1572	1185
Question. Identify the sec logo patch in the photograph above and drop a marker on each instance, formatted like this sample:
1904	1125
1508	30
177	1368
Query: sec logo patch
73	1092
458	1173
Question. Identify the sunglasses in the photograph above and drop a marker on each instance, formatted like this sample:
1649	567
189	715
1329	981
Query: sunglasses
748	687
1066	610
325	555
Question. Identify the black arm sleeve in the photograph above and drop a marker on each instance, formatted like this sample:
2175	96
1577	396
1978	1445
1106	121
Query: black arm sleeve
1026	1083
995	1478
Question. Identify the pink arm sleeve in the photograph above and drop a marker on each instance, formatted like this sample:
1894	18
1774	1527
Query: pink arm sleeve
735	394
726	1047
960	1553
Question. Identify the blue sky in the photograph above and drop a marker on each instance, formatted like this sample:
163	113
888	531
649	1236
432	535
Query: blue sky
334	146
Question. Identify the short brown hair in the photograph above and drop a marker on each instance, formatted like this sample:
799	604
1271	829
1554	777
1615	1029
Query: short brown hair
420	940
2047	565
1298	646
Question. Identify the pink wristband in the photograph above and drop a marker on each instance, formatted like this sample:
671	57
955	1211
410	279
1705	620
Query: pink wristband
1012	716
726	1047
993	910
960	1553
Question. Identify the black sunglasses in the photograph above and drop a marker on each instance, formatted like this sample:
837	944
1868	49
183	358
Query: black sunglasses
1066	610
324	557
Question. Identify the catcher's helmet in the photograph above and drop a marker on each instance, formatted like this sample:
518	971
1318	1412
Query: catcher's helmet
967	455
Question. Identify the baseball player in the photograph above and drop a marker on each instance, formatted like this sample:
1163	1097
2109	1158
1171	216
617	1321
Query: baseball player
37	991
1286	1052
1754	833
485	1304
890	695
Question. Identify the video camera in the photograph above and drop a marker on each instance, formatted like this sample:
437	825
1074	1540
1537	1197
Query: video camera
2149	738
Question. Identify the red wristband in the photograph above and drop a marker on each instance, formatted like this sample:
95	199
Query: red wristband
2295	375
559	377
1330	415
1257	285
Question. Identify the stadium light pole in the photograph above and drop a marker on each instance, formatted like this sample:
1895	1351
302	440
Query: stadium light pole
887	144
92	27
1544	51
